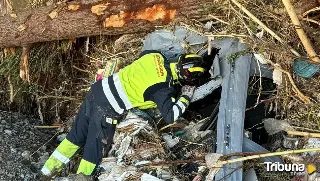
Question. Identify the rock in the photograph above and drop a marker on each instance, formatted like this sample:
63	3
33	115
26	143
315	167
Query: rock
13	150
25	154
8	132
61	137
43	159
43	148
10	175
3	122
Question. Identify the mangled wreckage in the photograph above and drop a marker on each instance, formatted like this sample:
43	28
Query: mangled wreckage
222	119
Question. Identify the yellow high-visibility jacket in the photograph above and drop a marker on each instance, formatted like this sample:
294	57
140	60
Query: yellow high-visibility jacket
146	83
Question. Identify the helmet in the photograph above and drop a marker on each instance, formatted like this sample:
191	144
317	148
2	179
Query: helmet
191	67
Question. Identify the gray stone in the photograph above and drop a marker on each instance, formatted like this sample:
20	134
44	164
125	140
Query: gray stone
13	150
25	154
8	132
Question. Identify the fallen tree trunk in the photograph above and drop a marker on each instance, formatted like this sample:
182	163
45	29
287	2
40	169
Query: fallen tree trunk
67	21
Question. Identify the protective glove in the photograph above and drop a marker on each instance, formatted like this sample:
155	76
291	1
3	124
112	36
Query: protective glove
187	91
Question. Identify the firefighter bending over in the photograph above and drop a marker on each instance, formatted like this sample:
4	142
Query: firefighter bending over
148	82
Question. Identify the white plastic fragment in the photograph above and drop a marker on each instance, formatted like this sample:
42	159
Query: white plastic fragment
123	147
141	163
163	174
260	58
211	160
171	142
277	76
148	177
274	126
108	163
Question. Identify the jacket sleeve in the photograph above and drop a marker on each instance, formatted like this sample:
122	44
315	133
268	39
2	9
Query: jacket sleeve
169	108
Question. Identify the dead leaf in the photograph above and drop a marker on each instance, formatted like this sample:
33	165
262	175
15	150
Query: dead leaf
13	15
98	9
53	14
21	27
73	7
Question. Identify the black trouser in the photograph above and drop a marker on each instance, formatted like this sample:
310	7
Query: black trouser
88	132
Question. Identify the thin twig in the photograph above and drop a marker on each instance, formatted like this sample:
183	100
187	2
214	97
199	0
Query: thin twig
201	159
86	71
45	143
11	89
220	163
311	10
255	19
47	127
260	88
241	154
310	135
304	98
58	97
218	19
168	126
307	129
311	20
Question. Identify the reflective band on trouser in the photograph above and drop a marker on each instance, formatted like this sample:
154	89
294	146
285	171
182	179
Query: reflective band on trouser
60	156
86	167
182	106
45	171
110	97
67	148
176	112
121	92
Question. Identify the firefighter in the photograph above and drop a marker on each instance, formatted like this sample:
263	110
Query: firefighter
148	82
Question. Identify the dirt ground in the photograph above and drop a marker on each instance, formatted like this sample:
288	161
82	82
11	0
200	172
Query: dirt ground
19	142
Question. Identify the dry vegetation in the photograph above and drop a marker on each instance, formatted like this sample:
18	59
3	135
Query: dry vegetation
61	72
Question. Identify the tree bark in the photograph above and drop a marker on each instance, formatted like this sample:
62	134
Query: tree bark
67	21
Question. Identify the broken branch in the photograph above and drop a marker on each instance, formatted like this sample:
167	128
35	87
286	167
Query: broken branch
221	163
24	64
301	33
255	19
307	134
201	159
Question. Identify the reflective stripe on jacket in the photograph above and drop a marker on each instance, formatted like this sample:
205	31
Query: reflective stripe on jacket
146	83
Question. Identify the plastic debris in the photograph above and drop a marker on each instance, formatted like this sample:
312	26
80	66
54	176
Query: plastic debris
274	126
171	142
148	177
211	160
305	69
277	76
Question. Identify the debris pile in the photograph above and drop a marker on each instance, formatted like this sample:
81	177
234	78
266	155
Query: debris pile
140	151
